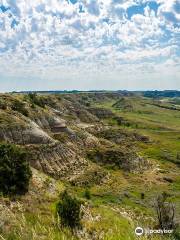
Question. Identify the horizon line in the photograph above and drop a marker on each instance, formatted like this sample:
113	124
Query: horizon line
86	91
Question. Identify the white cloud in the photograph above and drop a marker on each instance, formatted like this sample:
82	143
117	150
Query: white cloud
53	39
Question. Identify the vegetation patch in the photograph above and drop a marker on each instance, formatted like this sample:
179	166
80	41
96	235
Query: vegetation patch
115	157
19	107
3	105
94	175
124	104
119	136
36	100
69	211
15	172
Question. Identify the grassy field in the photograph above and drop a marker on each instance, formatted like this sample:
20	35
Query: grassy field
162	126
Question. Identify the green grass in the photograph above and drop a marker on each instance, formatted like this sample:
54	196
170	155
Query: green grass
162	126
32	227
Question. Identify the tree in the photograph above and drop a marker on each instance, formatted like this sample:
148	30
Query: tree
15	171
165	212
68	209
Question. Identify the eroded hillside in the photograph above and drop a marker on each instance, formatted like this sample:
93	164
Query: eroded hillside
123	149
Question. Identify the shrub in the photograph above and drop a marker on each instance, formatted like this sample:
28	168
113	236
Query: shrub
3	105
87	194
68	209
165	212
87	104
36	100
142	195
15	172
85	98
19	107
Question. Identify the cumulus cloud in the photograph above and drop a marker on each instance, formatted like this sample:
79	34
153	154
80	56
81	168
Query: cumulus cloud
170	10
88	39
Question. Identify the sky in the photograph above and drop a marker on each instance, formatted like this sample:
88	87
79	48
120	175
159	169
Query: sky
89	44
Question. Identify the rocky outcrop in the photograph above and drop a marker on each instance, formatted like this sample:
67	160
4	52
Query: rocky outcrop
85	116
121	136
78	111
59	135
57	125
22	131
47	120
30	135
57	160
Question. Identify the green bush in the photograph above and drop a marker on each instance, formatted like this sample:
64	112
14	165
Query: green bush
68	209
19	107
87	194
36	100
15	172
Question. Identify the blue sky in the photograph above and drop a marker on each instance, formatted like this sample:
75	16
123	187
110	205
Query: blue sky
89	44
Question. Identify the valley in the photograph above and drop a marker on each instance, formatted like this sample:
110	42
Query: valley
114	151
